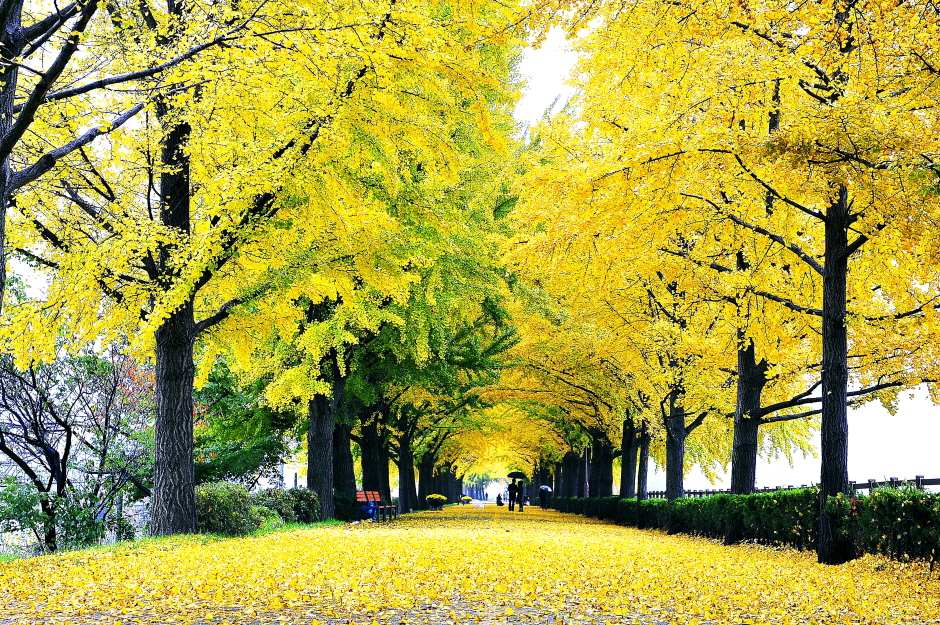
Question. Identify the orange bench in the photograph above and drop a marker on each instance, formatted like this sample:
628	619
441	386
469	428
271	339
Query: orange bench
370	502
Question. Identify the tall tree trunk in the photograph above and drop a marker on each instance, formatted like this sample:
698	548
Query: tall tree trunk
11	46
173	507
371	447
320	454
832	547
385	489
407	494
581	489
642	475
573	467
344	474
751	381
602	468
425	479
628	456
675	448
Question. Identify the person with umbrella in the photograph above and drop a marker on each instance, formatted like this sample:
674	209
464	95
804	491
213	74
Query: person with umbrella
543	496
515	491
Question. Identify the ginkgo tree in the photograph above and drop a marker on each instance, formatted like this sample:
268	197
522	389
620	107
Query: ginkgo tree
222	191
804	126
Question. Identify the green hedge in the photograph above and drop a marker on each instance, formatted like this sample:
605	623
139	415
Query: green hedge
901	523
225	508
294	505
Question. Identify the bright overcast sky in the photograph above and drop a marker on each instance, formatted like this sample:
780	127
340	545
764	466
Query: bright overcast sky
880	445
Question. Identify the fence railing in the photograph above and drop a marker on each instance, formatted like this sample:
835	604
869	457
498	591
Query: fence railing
918	482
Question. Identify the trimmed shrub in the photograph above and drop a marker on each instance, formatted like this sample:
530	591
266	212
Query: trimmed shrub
225	508
306	505
295	505
902	523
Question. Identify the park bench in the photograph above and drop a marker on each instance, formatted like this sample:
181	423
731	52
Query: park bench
371	504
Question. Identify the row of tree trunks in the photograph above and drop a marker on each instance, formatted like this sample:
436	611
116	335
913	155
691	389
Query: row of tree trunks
445	482
601	478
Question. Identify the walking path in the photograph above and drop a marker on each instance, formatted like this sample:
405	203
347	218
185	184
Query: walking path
463	565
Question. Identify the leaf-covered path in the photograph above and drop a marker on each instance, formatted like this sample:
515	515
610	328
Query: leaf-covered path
462	565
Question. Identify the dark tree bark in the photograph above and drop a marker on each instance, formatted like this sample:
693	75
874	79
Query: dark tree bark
371	447
832	547
642	476
407	493
581	485
629	447
344	474
320	454
425	479
173	506
572	466
675	448
385	488
752	377
601	480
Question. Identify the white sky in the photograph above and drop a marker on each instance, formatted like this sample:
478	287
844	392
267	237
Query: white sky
880	445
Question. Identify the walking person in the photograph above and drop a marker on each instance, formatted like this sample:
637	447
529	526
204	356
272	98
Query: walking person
513	492
543	498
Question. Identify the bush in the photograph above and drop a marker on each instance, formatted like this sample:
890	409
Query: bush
295	505
435	501
902	523
269	518
19	507
306	505
898	522
225	508
78	525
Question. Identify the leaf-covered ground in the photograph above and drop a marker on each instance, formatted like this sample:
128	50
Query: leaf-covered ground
462	565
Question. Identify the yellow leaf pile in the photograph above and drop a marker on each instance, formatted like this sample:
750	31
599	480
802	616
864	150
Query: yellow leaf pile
462	565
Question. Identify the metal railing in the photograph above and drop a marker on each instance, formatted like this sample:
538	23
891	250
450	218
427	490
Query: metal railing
919	482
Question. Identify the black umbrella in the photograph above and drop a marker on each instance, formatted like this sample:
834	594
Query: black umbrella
519	475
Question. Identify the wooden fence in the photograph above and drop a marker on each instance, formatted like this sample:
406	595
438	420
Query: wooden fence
918	482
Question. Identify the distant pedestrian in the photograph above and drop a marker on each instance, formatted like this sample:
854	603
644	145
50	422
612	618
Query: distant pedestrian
513	492
543	498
